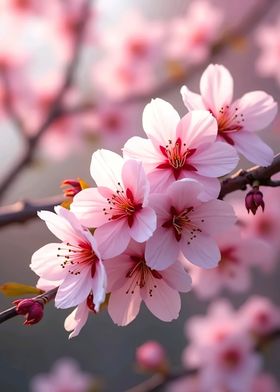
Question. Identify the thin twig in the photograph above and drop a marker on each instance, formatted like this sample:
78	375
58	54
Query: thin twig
44	298
55	110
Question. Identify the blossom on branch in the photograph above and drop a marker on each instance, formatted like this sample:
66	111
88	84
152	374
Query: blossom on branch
238	120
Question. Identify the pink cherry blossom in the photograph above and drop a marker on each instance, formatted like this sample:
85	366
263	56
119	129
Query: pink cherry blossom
181	148
75	264
264	382
186	224
118	206
65	376
151	357
131	281
231	364
191	36
238	256
260	316
238	120
267	38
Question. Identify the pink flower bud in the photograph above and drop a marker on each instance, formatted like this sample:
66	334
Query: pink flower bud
254	200
31	308
75	187
151	357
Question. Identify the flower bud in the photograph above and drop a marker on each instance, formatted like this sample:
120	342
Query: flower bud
151	357
75	187
254	200
31	308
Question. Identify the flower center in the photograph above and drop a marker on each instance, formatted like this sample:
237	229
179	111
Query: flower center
231	358
138	47
228	259
122	206
180	221
140	273
176	157
229	120
76	257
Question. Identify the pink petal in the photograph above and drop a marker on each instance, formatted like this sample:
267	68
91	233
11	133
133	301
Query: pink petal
144	224
88	207
106	168
123	307
46	285
215	160
211	186
177	278
258	108
142	150
196	128
116	269
191	100
164	302
214	216
112	238
76	320
160	179
253	148
134	179
216	87
184	193
60	227
74	289
201	251
161	204
162	249
45	263
159	121
99	285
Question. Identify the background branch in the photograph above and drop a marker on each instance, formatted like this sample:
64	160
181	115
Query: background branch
55	110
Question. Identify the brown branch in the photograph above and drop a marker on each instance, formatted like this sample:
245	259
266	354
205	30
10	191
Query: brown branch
43	298
55	110
241	179
22	211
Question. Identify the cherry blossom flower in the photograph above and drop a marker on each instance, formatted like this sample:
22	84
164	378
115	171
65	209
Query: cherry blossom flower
238	255
118	206
180	148
238	120
267	38
75	264
65	376
191	36
264	382
231	364
260	316
186	224
131	281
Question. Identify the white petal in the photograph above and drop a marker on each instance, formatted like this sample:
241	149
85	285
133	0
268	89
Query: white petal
253	148
192	100
159	121
142	150
99	285
76	320
106	168
46	264
216	87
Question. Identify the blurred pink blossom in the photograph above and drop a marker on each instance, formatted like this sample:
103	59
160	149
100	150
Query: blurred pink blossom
65	376
151	357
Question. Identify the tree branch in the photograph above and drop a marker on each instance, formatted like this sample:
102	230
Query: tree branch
242	178
22	211
43	298
56	109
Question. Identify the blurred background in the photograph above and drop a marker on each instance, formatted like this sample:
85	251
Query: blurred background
36	44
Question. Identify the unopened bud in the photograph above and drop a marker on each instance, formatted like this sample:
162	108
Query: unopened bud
31	308
254	200
75	187
151	357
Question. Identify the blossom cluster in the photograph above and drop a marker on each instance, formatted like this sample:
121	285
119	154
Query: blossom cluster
155	210
223	348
